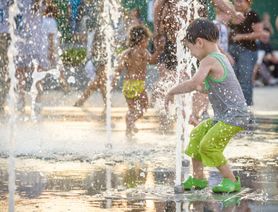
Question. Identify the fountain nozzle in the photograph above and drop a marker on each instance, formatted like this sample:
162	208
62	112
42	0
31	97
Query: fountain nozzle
178	189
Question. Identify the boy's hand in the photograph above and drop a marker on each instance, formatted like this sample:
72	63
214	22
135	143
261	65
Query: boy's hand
161	43
169	98
114	83
237	18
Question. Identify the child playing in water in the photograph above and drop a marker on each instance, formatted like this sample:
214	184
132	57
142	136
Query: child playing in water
134	60
216	76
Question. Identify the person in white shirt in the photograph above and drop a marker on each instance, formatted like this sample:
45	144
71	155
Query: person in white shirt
38	45
28	24
221	21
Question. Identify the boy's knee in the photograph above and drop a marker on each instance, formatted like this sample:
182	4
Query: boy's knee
193	133
205	148
193	151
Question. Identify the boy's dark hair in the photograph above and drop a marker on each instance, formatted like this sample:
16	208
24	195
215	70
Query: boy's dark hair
201	28
137	34
51	11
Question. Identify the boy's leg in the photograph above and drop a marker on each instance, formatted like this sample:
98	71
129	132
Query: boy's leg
214	143
130	116
135	112
99	82
226	172
141	104
211	151
192	150
196	137
93	86
143	101
198	169
63	82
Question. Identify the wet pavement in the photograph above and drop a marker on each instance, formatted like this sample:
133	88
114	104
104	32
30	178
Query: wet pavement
62	165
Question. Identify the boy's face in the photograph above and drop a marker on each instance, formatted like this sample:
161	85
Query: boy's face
144	42
196	49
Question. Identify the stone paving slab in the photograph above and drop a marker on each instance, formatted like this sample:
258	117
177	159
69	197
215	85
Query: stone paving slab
57	104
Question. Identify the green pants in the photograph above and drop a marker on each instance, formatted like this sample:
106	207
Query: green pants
208	141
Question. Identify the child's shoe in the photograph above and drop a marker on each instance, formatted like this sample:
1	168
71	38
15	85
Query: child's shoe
227	186
192	182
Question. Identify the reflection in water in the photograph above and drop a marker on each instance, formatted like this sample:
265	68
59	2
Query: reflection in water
137	187
142	183
30	184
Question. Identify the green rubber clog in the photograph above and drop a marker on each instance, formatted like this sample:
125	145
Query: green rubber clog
192	182
227	186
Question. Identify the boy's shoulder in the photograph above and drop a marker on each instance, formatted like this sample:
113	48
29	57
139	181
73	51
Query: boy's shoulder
208	60
125	53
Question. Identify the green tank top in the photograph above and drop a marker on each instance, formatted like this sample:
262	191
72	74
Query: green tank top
226	96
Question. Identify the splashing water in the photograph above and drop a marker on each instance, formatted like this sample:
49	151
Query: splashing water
38	76
185	63
13	11
110	17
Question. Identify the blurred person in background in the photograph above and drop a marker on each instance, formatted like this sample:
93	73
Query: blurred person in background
276	23
267	23
98	54
74	11
222	20
37	48
268	58
4	44
266	68
243	46
48	53
28	26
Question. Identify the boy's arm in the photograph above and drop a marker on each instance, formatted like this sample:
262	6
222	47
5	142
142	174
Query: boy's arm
120	67
153	58
157	9
221	5
157	14
51	48
258	33
195	83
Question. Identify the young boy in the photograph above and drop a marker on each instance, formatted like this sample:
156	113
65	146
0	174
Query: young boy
209	139
134	60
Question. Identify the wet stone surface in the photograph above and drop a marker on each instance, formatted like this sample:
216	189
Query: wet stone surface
74	171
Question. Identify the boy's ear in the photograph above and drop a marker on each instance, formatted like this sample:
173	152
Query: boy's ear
199	42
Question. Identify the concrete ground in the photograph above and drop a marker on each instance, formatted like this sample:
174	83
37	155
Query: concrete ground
56	103
62	163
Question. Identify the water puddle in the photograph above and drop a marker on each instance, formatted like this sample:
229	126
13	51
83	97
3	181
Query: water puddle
76	173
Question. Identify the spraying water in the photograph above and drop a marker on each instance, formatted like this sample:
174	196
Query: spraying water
111	16
38	76
185	63
13	11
